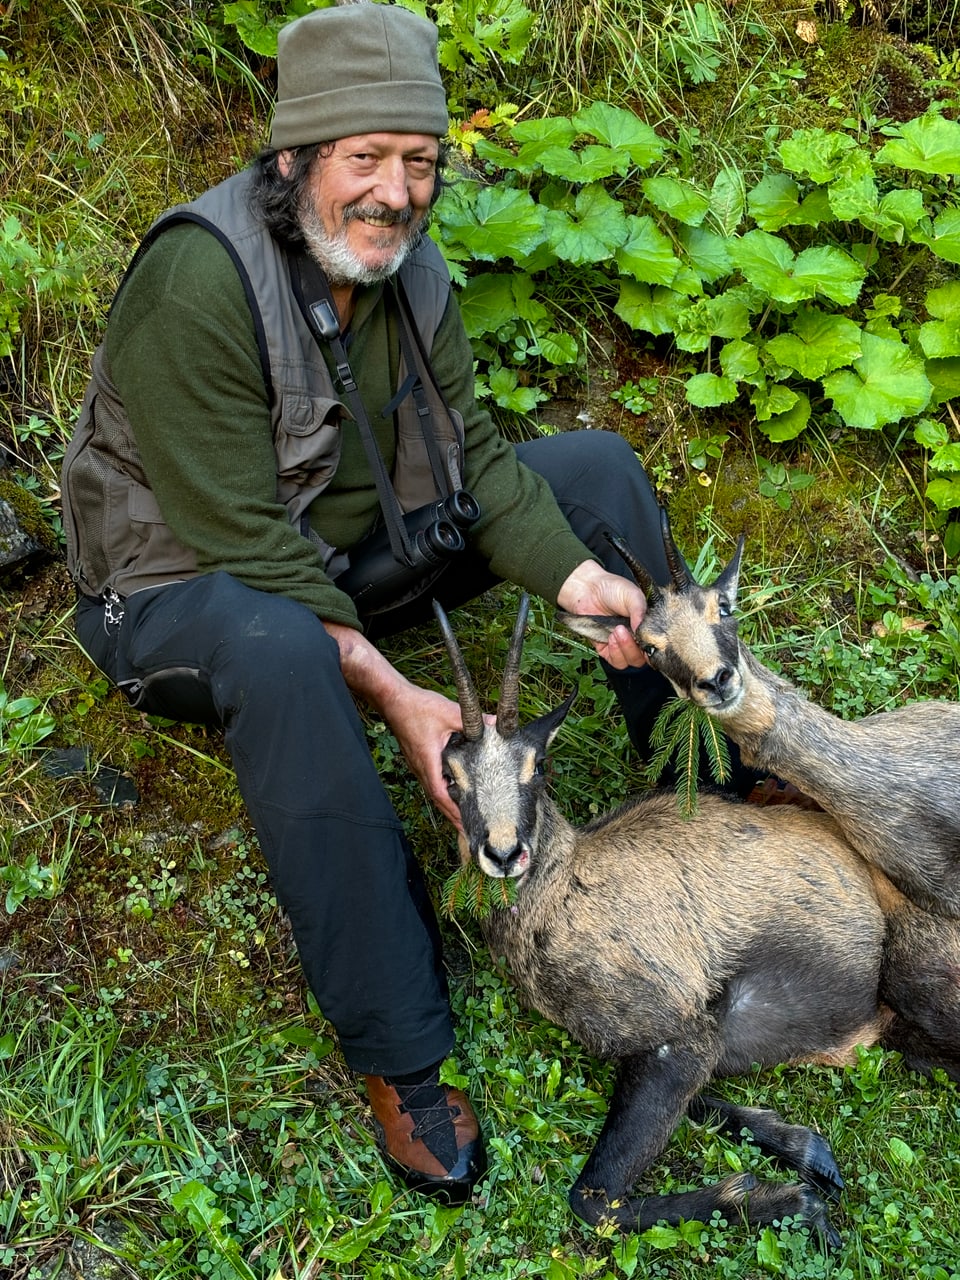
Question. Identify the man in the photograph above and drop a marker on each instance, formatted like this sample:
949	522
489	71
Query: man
225	468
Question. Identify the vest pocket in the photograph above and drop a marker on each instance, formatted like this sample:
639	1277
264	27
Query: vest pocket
307	441
142	505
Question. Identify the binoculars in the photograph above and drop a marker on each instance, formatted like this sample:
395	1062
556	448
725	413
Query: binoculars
376	580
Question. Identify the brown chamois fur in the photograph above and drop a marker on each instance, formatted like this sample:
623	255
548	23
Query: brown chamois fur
688	949
890	780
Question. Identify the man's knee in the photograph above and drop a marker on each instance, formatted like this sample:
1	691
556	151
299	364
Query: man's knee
587	466
203	647
616	467
275	643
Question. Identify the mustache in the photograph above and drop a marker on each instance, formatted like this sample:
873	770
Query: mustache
395	217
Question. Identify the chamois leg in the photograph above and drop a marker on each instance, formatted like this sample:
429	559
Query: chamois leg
792	1145
920	981
651	1094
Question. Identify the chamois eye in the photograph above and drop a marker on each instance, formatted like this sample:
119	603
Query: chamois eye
649	650
539	768
453	791
723	608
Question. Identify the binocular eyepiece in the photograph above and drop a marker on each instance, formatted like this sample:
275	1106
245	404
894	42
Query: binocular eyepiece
375	579
436	531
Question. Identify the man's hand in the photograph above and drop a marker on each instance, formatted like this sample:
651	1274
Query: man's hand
420	719
591	589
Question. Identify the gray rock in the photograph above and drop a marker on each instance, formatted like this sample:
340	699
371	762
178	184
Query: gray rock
15	543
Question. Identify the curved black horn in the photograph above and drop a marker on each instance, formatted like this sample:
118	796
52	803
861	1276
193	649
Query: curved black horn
470	713
640	572
508	708
679	570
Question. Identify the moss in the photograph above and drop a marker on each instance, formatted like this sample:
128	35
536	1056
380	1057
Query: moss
29	513
820	534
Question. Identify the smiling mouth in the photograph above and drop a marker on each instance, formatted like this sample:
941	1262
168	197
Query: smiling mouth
380	217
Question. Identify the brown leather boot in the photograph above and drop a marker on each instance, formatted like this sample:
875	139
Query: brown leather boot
429	1134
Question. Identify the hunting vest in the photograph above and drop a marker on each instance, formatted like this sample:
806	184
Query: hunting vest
116	535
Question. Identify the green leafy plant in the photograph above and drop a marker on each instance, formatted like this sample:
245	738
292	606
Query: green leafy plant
33	271
27	877
24	722
477	32
704	451
635	396
943	489
780	481
779	284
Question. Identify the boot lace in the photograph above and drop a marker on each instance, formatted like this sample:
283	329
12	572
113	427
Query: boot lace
433	1118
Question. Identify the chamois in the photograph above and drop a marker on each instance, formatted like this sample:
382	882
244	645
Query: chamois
688	949
890	779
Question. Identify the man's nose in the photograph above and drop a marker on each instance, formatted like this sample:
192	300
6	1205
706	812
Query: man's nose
392	189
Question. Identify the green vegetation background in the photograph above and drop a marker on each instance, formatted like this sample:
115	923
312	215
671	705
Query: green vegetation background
171	1103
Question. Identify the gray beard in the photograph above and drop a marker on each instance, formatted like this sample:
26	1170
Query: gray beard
339	263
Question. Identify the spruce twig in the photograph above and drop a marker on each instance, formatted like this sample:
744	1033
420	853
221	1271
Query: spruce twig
681	729
468	889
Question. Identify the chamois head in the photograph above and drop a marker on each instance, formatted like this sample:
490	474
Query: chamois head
495	773
689	632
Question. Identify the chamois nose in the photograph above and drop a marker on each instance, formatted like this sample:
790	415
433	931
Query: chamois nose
718	682
506	862
501	858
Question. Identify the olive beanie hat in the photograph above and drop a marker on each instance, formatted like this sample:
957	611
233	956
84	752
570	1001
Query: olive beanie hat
357	68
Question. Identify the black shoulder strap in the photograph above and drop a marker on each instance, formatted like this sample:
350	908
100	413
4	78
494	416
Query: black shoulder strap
407	326
315	300
186	216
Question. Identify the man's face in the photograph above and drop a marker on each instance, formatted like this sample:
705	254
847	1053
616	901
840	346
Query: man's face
368	200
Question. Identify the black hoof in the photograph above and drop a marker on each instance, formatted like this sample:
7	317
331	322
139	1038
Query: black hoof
814	1214
819	1169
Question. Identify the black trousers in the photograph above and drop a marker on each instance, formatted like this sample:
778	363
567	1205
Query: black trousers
211	650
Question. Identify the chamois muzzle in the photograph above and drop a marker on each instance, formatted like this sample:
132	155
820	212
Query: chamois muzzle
504	864
723	685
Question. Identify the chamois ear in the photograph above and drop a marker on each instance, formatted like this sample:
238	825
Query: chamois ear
544	729
592	626
728	581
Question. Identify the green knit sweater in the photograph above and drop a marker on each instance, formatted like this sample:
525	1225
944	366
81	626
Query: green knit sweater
183	354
